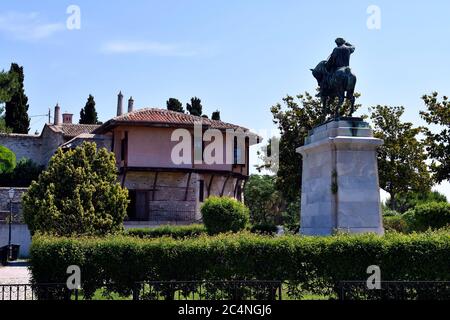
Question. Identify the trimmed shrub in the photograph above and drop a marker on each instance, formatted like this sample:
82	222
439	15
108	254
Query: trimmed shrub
316	264
176	232
433	215
224	214
395	223
264	228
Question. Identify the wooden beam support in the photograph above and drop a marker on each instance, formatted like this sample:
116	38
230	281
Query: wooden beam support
223	187
210	183
154	186
187	186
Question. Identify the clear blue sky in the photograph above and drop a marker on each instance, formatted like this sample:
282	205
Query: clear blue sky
237	56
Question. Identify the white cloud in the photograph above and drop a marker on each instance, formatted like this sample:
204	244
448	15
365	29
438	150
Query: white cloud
146	47
27	26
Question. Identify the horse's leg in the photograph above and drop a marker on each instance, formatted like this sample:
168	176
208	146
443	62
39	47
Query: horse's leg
324	107
352	105
340	103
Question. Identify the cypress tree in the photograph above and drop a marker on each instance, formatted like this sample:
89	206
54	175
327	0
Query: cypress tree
195	107
16	109
88	114
174	105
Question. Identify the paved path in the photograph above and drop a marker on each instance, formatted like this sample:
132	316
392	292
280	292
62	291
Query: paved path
15	273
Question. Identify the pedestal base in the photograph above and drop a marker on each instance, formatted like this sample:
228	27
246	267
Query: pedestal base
340	188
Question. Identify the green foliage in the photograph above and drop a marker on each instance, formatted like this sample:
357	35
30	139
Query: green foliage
409	200
401	159
434	215
215	115
88	115
9	83
175	105
264	228
389	213
263	200
438	144
23	174
77	194
224	214
294	120
312	263
16	108
7	160
195	107
395	223
176	232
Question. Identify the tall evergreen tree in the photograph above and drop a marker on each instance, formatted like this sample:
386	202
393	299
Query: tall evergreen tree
88	114
175	105
16	109
195	107
215	115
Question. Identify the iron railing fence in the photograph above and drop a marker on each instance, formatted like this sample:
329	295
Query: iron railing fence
236	291
47	291
395	290
209	290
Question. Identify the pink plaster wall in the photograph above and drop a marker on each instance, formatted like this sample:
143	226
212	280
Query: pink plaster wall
152	147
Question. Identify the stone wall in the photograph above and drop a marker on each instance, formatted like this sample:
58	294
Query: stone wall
24	146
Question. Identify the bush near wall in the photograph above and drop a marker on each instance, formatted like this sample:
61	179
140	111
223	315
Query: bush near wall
312	263
434	215
176	232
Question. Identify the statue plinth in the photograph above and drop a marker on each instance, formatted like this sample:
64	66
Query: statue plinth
340	187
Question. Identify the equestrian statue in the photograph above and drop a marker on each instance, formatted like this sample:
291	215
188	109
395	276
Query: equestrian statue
335	78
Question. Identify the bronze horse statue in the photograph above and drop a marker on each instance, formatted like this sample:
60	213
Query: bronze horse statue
340	84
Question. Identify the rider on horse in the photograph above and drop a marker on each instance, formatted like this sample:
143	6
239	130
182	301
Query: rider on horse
340	57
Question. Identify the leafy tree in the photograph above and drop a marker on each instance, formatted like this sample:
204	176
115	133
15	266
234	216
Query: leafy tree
299	115
215	115
175	105
78	194
195	107
16	109
88	114
438	144
409	200
7	160
263	200
23	174
401	159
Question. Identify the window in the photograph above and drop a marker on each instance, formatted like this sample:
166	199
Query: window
124	147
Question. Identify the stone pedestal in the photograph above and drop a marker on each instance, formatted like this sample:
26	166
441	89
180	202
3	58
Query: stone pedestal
340	188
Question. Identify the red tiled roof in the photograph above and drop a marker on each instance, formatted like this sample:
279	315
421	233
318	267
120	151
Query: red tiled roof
165	117
70	130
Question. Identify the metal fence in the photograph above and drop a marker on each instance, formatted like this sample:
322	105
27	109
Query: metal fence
395	290
209	290
53	291
237	291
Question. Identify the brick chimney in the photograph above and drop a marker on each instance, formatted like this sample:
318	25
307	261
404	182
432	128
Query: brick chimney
119	104
130	104
57	115
67	118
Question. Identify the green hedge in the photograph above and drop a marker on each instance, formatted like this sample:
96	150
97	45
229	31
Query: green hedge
176	232
434	215
396	223
312	263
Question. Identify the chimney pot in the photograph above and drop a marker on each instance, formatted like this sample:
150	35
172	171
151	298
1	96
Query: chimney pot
130	104
57	119
119	104
67	118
